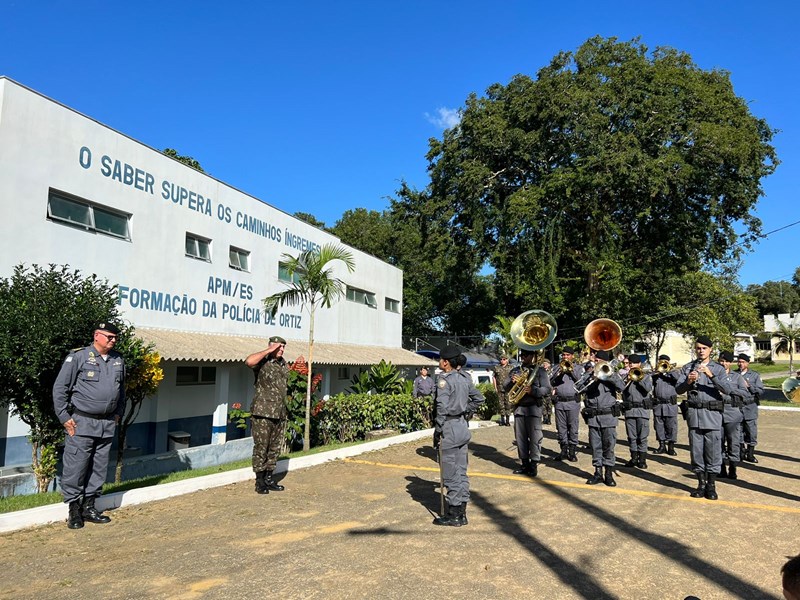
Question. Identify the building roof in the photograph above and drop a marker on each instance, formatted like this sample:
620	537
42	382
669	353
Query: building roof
219	347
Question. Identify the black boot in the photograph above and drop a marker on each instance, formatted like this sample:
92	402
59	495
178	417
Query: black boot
732	471
522	469
711	487
597	477
91	514
701	486
75	520
455	516
609	478
272	485
261	483
634	461
564	454
463	514
573	456
751	454
642	460
723	473
662	448
533	469
671	449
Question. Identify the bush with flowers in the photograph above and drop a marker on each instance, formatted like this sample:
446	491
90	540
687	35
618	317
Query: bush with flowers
238	416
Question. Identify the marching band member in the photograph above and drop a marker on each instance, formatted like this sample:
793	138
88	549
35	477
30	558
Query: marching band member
665	408
567	404
750	409
636	405
732	417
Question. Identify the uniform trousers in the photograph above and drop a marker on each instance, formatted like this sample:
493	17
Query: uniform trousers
528	430
85	466
638	429
705	446
666	428
267	442
567	415
602	440
750	432
454	474
732	441
505	407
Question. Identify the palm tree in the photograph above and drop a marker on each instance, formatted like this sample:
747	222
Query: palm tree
789	336
313	285
502	327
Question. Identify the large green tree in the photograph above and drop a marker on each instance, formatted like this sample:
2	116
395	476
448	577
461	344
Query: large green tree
313	285
775	297
593	185
45	312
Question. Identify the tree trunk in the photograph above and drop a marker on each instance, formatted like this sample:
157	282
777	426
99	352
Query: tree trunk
307	431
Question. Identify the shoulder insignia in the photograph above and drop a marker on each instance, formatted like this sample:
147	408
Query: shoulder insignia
442	383
69	358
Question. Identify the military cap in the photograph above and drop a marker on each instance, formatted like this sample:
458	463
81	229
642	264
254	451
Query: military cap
704	340
276	339
744	357
449	352
726	356
663	357
603	355
634	358
568	350
107	326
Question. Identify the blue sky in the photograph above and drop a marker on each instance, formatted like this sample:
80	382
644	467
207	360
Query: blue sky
323	107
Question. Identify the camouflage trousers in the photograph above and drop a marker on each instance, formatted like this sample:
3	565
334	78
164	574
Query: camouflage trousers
267	442
505	407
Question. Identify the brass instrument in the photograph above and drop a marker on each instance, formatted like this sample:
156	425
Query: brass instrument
635	374
602	334
533	330
664	366
790	389
566	366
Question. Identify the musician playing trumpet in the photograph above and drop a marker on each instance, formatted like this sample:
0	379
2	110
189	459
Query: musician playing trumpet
528	412
567	403
665	406
636	405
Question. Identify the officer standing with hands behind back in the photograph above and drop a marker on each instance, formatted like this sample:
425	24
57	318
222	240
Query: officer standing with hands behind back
89	400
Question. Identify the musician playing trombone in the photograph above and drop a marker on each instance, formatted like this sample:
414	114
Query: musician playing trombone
601	414
636	404
528	413
567	403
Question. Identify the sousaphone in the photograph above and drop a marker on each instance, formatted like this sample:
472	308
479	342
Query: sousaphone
533	330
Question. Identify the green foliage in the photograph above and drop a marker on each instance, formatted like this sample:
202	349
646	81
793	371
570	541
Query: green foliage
45	312
187	160
775	297
789	336
361	383
348	417
492	405
310	219
385	378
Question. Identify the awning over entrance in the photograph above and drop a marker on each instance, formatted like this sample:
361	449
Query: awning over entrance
219	347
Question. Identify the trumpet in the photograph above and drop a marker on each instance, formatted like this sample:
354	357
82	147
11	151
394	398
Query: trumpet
566	366
664	366
635	374
533	330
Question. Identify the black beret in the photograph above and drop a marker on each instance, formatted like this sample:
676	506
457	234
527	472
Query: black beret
107	326
663	357
568	350
449	353
704	340
744	357
277	339
634	358
726	356
603	355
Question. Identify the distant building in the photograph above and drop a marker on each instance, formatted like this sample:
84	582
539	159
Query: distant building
771	327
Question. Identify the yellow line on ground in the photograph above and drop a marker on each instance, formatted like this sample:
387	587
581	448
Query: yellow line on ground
583	486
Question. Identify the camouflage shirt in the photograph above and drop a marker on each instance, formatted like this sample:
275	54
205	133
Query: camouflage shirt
272	379
501	373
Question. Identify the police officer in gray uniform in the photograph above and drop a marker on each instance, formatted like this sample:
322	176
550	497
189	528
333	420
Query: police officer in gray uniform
703	382
732	417
423	384
568	405
636	405
601	412
89	400
528	413
665	409
750	408
451	432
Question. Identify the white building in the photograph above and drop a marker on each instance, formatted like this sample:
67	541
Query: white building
771	327
192	257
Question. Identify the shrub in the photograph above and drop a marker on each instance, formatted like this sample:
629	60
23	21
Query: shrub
492	405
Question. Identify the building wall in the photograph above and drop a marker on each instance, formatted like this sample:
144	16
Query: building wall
47	147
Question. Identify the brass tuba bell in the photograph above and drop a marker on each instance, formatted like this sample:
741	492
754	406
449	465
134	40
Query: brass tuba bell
602	334
533	330
789	389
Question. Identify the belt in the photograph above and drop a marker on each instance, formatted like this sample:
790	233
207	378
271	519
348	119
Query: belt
80	413
451	417
568	399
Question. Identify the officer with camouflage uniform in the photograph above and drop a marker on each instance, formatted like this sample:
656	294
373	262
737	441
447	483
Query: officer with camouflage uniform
750	408
268	411
501	373
89	400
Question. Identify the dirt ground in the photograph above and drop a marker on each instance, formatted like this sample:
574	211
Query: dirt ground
361	528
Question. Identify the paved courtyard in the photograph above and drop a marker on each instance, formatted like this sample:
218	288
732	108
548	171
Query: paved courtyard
361	528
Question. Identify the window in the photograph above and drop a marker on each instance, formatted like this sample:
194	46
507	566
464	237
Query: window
763	345
344	373
392	305
81	213
239	259
283	274
196	376
361	297
198	247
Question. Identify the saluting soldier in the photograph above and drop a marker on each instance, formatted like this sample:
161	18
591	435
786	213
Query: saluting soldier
732	417
601	413
501	373
89	400
528	413
567	404
636	405
451	431
703	382
750	408
665	409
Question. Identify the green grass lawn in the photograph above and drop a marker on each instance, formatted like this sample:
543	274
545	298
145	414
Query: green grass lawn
14	503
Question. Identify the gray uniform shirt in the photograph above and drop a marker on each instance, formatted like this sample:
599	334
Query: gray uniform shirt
634	396
664	393
452	401
602	394
564	383
424	386
738	394
531	404
756	387
706	389
97	388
